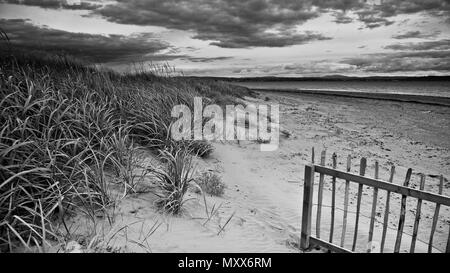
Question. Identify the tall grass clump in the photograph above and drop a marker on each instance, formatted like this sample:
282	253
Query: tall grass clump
66	126
174	179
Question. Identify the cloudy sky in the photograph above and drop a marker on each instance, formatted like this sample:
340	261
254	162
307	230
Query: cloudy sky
242	38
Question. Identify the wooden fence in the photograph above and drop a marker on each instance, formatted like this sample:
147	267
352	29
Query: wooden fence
307	240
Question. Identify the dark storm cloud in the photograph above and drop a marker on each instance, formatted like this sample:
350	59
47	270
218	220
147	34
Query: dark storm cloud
241	24
54	4
395	7
402	62
341	18
206	59
416	34
407	57
81	6
254	23
372	19
343	5
377	13
91	47
281	39
391	8
230	24
443	44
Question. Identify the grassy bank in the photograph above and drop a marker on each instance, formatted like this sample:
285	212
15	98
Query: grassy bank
65	124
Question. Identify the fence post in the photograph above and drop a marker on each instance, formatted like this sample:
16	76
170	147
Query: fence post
401	221
307	206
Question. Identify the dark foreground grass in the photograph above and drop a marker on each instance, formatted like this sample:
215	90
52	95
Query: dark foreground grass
65	124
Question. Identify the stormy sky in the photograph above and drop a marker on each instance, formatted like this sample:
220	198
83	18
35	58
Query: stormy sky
241	38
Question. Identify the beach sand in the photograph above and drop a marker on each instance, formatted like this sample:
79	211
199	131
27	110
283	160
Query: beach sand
264	189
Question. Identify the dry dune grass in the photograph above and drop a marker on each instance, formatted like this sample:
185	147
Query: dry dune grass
65	125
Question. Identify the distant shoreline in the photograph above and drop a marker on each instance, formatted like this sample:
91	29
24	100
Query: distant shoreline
435	100
336	78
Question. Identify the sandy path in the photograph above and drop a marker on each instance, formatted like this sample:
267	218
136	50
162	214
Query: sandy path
262	221
265	203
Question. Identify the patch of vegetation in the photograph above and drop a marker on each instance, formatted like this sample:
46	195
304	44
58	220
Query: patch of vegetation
66	124
211	183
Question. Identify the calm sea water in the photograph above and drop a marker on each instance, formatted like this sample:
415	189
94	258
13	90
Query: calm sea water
425	88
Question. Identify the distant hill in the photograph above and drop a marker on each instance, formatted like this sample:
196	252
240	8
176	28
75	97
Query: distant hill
329	78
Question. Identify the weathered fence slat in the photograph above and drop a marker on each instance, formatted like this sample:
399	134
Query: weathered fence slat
362	172
447	249
374	206
386	211
331	247
401	221
347	187
333	198
436	216
307	206
393	188
320	195
417	219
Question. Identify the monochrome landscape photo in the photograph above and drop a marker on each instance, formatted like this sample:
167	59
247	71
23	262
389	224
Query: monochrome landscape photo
198	126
